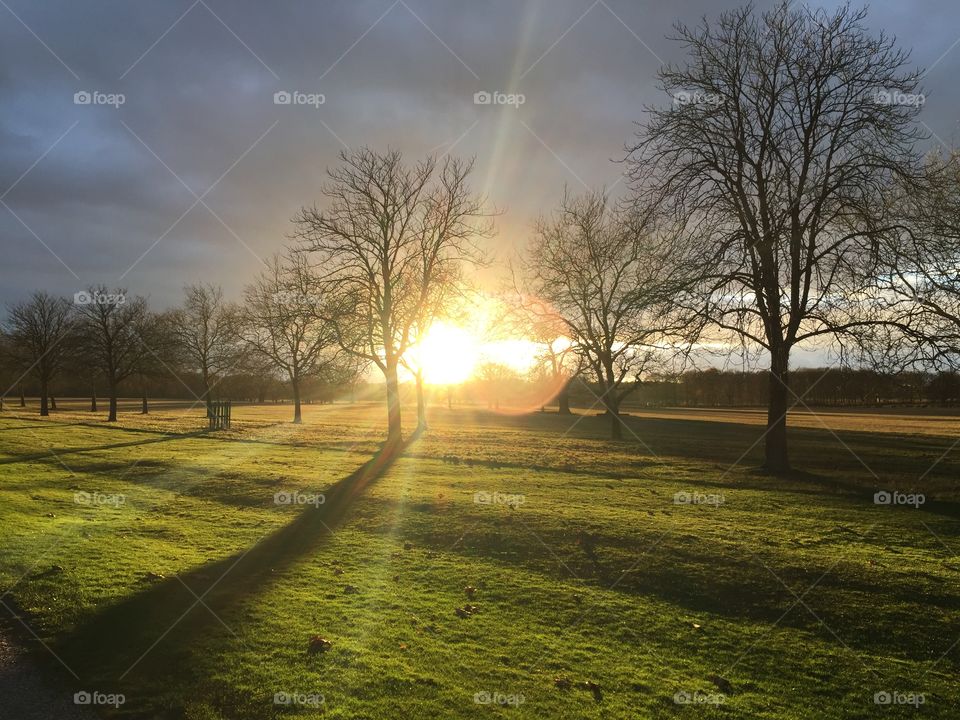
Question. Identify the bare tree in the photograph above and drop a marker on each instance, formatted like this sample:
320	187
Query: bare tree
494	379
157	332
558	361
611	279
283	322
787	128
109	336
205	330
41	334
388	234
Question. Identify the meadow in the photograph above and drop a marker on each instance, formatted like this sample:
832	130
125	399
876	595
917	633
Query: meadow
503	565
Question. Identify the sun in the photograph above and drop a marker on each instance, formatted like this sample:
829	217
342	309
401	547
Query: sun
447	354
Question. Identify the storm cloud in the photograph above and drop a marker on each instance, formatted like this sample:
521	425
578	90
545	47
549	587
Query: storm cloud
196	174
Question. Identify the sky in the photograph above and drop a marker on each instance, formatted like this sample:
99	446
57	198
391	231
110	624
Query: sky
142	145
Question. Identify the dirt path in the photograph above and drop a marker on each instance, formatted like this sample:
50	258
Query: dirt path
26	694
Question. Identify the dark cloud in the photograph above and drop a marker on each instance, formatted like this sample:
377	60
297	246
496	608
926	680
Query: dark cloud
199	80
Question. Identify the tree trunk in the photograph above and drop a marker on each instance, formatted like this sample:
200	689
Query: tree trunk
394	430
611	400
206	391
53	402
93	401
23	398
112	417
613	409
421	405
776	458
44	407
144	405
563	398
449	398
297	418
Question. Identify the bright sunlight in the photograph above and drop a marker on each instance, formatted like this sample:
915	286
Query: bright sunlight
447	354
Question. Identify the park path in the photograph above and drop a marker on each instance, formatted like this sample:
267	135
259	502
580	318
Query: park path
26	693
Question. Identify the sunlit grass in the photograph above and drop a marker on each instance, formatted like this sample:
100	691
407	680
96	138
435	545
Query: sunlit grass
594	573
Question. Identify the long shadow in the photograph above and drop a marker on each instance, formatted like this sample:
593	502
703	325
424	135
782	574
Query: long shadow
56	452
117	645
38	426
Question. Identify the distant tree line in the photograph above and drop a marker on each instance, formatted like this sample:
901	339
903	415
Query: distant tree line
815	387
105	343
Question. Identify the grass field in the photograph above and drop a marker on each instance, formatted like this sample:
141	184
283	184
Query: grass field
152	559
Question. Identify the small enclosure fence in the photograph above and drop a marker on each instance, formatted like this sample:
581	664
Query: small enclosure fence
218	414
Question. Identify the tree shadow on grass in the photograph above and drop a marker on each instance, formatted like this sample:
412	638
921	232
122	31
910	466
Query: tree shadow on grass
150	638
55	453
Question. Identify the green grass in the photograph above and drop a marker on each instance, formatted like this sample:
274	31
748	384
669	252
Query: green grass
801	593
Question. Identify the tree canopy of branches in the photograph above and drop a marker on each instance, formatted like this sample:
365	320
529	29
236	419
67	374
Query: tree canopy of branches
41	332
610	278
920	274
284	323
788	128
110	325
388	235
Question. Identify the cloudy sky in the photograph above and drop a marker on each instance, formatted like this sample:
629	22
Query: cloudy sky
197	173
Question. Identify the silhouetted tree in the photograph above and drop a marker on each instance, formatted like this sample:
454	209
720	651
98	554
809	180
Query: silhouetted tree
611	280
109	327
41	332
284	323
787	129
388	234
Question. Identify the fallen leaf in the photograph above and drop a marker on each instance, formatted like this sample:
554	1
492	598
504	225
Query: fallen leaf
318	644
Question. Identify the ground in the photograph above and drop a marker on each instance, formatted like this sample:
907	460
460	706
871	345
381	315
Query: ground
219	575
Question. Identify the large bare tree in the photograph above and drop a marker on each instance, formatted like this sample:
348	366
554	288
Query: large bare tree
610	277
387	235
283	322
41	335
109	331
787	128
